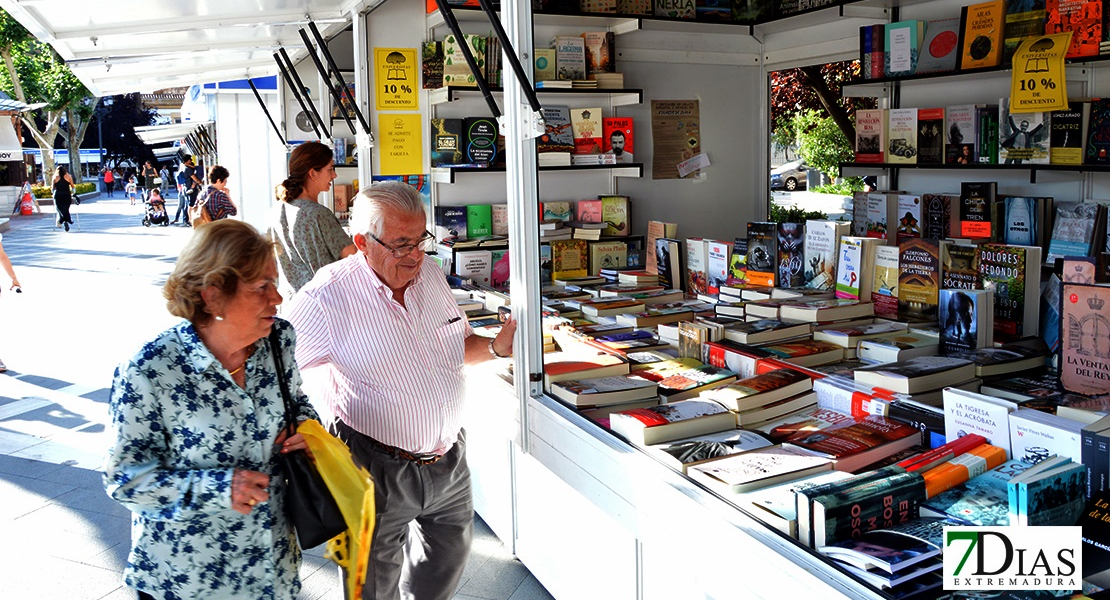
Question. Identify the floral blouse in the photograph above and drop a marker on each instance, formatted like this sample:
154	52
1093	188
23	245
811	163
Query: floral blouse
181	427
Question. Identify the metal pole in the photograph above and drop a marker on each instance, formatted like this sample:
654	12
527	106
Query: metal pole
335	70
300	88
297	94
336	96
453	25
265	110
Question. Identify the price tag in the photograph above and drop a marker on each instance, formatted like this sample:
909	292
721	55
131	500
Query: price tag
1038	82
395	81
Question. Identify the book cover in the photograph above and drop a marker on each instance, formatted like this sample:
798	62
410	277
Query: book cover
977	201
1019	224
897	549
447	142
617	135
989	127
871	505
870	135
884	287
597	6
965	319
981	27
1023	20
936	215
455	69
896	347
930	136
849	268
544	64
669	261
840	442
919	277
479	221
1037	435
1073	229
476	265
1053	497
982	500
718	255
569	258
748	471
570	57
821	244
738	264
749	11
602	391
450	222
588	211
688	452
719	11
940	50
919	373
615	214
791	253
909	217
1022	138
1096	150
762	253
968	412
586	128
673	421
882	211
1084	341
607	255
675	9
556	210
959	266
557	136
760	390
480	141
901	135
1084	18
697	259
962	131
1012	273
1065	137
901	47
656	230
500	214
431	66
600	54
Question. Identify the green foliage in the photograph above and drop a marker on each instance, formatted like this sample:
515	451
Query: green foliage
784	136
43	191
793	214
821	142
843	187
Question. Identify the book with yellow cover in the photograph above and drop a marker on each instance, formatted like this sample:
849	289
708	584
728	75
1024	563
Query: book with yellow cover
981	28
569	258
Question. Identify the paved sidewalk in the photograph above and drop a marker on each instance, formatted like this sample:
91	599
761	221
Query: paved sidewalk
91	297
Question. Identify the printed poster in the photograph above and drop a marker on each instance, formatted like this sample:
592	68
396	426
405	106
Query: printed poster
676	137
396	79
401	144
1038	83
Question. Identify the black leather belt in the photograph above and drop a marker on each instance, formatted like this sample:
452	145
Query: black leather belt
420	459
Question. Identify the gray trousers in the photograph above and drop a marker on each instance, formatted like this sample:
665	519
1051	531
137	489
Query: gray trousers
425	521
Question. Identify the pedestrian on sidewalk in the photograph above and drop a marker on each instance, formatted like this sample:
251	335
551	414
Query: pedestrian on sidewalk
164	185
132	190
306	234
148	174
198	421
215	200
109	181
6	263
62	187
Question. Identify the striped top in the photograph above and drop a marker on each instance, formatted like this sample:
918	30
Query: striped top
394	373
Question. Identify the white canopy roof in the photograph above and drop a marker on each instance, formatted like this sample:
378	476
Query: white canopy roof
158	134
127	46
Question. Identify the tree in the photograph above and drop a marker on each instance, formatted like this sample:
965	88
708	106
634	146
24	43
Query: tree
817	87
822	143
783	136
117	128
34	73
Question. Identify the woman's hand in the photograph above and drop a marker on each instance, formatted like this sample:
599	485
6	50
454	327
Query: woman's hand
248	488
290	443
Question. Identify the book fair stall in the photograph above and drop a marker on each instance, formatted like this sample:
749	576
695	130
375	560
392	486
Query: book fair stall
706	403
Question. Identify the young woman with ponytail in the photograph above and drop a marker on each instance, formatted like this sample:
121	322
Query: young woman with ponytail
306	234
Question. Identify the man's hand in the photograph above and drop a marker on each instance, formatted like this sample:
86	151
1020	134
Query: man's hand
503	343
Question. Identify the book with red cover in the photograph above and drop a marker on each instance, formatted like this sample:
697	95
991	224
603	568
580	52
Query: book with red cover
617	137
860	443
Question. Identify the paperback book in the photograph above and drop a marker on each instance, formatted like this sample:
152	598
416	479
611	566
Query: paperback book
919	278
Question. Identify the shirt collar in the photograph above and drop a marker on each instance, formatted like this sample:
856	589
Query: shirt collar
198	356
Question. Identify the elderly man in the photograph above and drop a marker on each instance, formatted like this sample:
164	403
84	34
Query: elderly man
384	324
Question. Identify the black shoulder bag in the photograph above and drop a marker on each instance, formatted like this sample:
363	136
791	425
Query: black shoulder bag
309	504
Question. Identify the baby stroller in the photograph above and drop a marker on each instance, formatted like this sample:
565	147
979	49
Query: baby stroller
156	211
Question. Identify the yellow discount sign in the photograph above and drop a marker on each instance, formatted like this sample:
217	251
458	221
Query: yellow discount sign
396	78
1038	82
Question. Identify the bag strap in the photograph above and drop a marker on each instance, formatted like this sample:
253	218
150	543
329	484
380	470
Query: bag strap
286	397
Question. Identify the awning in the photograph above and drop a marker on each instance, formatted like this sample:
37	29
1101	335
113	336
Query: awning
145	45
160	134
10	146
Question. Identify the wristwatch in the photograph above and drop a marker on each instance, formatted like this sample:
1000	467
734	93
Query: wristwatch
493	352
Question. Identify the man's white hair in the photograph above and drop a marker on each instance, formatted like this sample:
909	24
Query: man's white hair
372	203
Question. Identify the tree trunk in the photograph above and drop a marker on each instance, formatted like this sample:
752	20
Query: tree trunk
828	100
73	144
45	140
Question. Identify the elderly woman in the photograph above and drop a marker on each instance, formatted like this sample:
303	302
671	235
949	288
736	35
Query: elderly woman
306	234
197	416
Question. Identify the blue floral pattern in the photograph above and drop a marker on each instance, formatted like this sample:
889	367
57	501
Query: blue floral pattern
181	427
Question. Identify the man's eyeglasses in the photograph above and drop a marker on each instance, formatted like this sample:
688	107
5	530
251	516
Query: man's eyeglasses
404	250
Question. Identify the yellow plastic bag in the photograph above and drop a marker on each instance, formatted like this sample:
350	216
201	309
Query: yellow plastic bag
353	490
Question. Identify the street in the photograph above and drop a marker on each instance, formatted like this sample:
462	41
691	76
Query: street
91	298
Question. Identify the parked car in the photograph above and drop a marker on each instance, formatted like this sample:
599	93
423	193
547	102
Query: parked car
790	176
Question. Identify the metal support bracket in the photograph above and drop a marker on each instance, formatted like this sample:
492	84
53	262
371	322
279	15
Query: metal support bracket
532	124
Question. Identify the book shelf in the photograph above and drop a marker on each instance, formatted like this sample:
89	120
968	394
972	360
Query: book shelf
621	97
854	168
449	175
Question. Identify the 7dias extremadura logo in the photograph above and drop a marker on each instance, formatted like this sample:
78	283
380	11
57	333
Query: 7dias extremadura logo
1013	558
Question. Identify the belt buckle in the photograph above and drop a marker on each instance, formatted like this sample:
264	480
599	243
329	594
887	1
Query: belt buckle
426	459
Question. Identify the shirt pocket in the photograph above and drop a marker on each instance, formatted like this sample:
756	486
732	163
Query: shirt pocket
448	342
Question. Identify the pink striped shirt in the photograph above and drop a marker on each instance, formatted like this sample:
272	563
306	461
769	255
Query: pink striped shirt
395	373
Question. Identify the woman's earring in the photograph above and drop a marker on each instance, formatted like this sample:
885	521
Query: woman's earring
219	318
